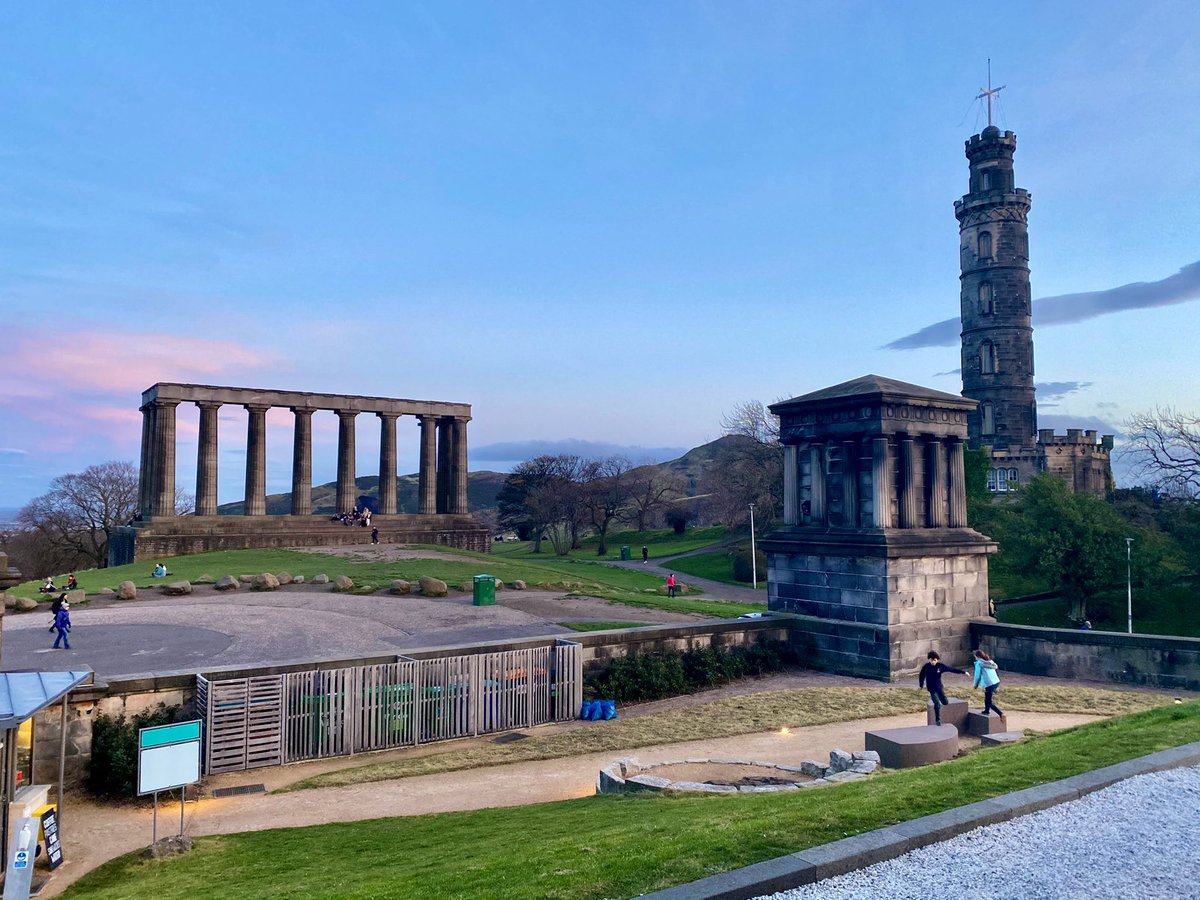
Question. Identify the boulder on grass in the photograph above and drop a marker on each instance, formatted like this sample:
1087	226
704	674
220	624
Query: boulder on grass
343	583
400	586
518	585
284	578
246	579
107	592
227	583
432	587
321	579
265	582
126	590
812	769
76	597
840	761
10	602
204	579
297	579
26	604
467	587
177	588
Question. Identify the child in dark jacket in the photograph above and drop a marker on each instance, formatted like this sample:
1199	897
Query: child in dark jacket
930	678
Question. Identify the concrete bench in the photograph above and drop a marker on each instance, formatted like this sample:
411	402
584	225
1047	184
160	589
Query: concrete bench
954	712
903	748
1001	738
979	724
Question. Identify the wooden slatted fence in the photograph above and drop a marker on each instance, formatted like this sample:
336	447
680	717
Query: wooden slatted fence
323	713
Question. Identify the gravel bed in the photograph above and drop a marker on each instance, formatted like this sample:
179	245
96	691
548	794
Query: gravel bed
1134	840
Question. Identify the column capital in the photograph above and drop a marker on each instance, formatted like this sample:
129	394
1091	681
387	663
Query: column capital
302	410
346	413
164	404
388	415
257	407
209	404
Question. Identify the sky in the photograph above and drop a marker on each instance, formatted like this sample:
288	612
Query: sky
602	225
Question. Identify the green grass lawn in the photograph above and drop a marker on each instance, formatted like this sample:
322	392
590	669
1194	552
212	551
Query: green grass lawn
715	566
600	626
660	543
1170	610
609	846
627	586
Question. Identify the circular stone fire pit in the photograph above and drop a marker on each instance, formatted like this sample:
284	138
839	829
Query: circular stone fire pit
730	776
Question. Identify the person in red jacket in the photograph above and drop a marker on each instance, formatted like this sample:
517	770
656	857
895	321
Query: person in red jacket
930	678
671	585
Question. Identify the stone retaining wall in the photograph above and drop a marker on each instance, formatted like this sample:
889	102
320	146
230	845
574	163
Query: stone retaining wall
1147	659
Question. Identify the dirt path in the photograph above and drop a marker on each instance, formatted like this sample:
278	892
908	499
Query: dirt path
95	833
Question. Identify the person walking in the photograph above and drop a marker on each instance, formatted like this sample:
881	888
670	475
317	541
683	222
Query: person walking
645	554
374	535
986	677
930	678
62	624
671	585
54	608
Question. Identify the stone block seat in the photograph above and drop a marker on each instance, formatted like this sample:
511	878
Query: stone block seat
1000	738
953	713
978	724
903	748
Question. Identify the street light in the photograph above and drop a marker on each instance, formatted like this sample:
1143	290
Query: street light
753	551
1129	578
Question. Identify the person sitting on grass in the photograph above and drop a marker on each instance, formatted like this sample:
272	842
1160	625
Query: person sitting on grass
930	678
160	571
72	584
48	587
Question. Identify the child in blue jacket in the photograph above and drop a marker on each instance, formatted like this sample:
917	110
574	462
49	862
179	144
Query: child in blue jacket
62	624
986	677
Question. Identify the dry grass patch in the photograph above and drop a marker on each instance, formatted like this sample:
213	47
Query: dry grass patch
729	717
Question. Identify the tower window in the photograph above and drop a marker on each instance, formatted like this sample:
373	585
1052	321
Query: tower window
987	179
987	413
987	358
985	299
985	245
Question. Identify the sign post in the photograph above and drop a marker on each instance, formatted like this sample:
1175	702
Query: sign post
168	758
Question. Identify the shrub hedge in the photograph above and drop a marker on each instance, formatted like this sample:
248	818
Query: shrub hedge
113	771
653	676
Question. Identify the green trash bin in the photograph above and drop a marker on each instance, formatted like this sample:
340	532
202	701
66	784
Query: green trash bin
485	590
625	554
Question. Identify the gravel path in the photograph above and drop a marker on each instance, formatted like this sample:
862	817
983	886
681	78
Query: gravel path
1135	840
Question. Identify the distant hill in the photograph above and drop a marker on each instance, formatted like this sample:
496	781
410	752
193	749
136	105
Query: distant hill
483	486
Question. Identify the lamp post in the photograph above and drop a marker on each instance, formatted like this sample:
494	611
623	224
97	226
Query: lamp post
1129	578
753	551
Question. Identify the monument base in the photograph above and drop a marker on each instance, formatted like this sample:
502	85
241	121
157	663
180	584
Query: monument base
874	602
161	538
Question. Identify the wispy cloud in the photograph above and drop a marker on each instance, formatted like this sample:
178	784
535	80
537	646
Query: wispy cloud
515	451
1056	390
1182	287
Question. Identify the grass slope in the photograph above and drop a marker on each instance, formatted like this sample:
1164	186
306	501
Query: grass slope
1167	610
715	566
609	846
627	586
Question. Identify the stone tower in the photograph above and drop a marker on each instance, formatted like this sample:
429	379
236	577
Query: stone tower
997	328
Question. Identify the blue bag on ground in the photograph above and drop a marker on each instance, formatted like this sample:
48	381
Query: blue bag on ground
587	712
608	709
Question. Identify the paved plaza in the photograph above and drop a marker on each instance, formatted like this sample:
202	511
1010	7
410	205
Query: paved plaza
210	630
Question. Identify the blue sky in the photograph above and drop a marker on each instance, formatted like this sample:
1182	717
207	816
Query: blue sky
594	222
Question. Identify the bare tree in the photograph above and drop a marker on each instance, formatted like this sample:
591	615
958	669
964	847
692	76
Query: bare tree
543	496
606	491
79	513
750	469
1164	449
652	488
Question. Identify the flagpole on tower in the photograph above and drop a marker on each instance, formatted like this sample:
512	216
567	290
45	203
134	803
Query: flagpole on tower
989	92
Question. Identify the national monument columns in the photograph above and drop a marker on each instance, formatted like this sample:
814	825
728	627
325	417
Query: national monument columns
442	507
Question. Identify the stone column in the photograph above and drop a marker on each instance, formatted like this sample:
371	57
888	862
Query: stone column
164	457
958	485
458	466
935	484
850	484
427	476
444	455
347	492
387	464
256	460
909	500
302	463
206	459
791	487
816	506
881	483
146	471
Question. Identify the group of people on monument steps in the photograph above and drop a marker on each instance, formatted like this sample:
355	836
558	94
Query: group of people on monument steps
986	677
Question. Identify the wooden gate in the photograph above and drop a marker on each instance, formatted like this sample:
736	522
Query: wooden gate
336	712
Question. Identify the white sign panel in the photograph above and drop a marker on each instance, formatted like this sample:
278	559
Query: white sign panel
169	766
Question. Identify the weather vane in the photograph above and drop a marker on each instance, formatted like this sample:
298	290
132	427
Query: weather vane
989	92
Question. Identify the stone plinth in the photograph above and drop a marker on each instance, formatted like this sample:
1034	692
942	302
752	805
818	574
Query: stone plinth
953	713
903	748
1000	738
979	724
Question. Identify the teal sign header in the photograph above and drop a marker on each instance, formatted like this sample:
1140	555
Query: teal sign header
169	734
